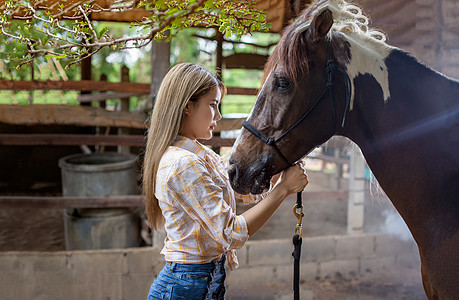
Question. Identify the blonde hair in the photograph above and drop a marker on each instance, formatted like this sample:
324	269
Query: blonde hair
184	82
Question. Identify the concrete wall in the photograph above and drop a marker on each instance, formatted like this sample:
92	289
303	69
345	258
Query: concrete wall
128	273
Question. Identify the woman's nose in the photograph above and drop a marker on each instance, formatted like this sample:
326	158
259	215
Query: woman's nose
218	115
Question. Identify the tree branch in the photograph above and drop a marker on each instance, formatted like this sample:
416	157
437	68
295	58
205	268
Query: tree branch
79	39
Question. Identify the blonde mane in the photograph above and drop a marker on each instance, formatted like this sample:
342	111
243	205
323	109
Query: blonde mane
349	19
368	45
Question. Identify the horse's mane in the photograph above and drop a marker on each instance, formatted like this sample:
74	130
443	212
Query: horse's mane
348	19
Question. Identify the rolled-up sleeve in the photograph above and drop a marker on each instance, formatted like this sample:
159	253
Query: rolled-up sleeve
250	198
202	199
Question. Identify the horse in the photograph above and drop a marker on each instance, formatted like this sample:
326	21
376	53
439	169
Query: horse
331	74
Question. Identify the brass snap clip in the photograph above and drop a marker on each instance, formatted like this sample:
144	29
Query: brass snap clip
299	215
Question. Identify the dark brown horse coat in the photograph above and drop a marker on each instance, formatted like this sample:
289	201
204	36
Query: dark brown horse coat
403	115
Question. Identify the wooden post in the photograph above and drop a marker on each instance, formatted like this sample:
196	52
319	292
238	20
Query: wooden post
124	106
355	209
32	75
160	64
218	70
86	70
219	53
103	103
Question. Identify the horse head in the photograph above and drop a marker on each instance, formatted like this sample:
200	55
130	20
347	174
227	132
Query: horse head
282	127
332	74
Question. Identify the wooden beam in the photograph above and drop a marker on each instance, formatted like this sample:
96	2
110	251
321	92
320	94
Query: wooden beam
52	7
71	202
217	141
229	124
71	85
106	96
70	140
242	91
245	61
94	86
132	15
61	202
30	115
91	140
267	46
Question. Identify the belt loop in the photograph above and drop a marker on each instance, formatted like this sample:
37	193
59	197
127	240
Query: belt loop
172	265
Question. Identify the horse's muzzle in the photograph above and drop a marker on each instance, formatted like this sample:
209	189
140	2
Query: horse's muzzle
254	180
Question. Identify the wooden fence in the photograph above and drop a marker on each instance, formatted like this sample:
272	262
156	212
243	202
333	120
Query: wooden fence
32	115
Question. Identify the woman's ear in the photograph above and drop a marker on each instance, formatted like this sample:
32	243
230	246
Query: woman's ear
187	109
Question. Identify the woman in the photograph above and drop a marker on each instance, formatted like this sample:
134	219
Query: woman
187	189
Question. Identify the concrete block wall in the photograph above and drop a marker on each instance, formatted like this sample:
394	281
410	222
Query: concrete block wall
103	274
128	273
321	257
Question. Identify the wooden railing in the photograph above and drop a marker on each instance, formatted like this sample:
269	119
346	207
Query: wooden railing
94	86
113	201
97	117
36	139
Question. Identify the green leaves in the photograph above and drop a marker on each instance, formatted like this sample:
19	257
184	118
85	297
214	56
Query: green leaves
65	30
101	32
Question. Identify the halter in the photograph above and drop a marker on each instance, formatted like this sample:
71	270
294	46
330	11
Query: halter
330	69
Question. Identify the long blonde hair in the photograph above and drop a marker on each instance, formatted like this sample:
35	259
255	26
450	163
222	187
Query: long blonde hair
184	82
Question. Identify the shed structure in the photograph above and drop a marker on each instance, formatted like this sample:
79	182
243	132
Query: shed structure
33	138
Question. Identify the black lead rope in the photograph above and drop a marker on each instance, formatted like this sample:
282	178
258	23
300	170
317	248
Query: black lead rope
296	266
297	240
330	69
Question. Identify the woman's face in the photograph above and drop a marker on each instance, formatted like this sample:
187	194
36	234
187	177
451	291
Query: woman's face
201	116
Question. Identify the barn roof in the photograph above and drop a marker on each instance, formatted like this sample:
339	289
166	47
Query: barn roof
279	12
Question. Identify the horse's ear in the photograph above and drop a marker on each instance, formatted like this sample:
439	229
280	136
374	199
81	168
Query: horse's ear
321	25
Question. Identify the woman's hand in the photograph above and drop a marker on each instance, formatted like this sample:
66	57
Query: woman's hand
294	179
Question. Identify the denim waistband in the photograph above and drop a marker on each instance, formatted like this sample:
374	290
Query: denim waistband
206	267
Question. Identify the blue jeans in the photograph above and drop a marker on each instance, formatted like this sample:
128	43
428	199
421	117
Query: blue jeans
190	281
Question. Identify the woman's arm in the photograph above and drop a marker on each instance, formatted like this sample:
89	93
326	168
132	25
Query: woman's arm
292	180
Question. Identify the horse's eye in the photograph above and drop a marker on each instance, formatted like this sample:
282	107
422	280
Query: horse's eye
283	84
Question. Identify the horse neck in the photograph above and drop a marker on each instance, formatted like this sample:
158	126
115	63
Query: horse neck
415	94
394	138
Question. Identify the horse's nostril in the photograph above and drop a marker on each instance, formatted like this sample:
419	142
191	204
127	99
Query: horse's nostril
232	170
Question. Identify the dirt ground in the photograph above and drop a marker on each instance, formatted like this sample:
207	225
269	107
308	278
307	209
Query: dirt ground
397	284
43	230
